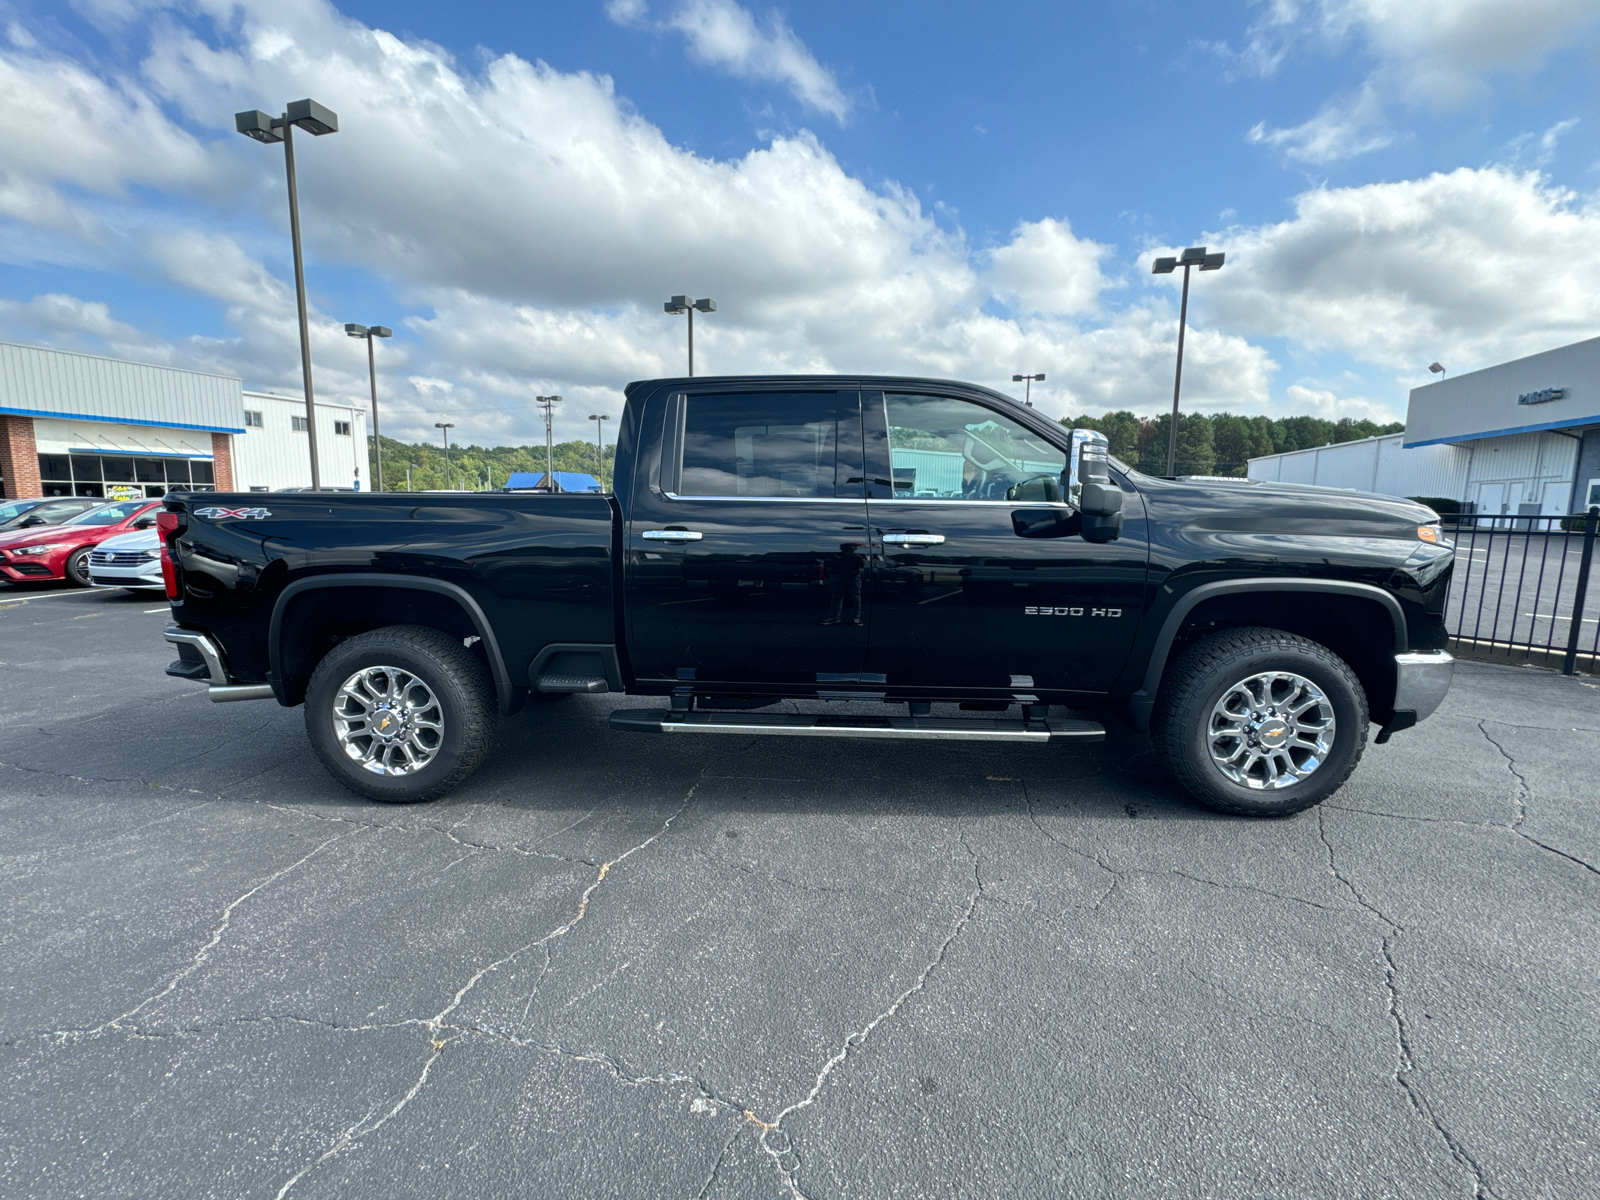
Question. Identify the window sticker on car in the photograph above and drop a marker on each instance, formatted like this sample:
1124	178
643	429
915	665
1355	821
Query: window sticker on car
215	512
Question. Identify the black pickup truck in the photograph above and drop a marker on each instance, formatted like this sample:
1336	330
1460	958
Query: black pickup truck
908	543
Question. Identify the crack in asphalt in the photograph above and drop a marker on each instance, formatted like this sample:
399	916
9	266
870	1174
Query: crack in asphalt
436	1024
722	1156
774	1140
200	956
1116	875
1244	887
1524	793
1405	1061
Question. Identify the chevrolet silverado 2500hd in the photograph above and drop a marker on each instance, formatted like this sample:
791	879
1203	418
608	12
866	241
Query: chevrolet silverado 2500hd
908	542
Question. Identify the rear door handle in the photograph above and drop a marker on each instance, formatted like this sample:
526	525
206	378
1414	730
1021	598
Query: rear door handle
674	535
913	539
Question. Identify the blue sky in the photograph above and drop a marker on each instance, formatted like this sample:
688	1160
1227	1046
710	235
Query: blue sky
933	188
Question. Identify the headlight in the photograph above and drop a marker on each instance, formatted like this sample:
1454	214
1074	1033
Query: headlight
44	549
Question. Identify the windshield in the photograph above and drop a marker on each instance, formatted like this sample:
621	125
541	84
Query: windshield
110	514
7	511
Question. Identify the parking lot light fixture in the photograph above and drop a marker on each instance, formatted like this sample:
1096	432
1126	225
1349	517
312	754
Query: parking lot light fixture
682	304
262	127
445	427
369	332
1436	369
1194	256
1031	380
548	403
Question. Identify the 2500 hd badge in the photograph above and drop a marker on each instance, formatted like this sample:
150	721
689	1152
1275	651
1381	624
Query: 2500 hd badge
1044	610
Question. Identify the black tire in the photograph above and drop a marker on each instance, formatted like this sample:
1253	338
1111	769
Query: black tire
461	687
77	568
1208	670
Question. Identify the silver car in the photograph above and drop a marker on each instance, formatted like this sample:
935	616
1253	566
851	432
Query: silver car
129	560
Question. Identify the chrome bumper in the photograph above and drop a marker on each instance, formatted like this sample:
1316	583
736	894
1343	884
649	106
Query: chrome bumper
222	689
1421	681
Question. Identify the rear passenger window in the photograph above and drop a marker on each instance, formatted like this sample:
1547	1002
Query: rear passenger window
775	444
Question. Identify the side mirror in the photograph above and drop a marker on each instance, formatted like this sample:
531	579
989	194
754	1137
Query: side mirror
145	523
1094	493
30	522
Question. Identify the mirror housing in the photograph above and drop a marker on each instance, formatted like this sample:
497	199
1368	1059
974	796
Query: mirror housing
30	522
145	522
1092	490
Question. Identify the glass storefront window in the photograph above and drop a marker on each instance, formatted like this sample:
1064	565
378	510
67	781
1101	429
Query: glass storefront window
115	476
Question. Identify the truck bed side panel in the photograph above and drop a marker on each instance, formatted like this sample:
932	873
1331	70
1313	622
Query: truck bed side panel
540	567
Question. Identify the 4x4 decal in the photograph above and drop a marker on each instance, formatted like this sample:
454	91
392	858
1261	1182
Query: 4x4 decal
217	513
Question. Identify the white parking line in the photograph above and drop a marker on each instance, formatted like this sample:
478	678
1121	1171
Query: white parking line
1552	617
165	610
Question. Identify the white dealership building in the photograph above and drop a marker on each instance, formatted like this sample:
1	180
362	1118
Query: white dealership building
84	425
1522	438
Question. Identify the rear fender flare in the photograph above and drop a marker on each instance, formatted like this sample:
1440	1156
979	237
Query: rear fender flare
504	690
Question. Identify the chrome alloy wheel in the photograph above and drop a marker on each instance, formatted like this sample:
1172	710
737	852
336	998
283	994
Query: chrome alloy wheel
1271	730
388	721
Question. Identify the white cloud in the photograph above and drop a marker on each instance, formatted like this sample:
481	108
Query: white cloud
1471	267
1045	269
725	34
1433	52
1342	129
542	221
1331	405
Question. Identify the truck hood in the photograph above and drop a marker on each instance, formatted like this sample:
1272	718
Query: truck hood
1262	506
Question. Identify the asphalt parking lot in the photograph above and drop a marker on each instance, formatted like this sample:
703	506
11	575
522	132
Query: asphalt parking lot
618	965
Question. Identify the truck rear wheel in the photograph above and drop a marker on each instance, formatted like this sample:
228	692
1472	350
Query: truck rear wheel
1259	722
401	714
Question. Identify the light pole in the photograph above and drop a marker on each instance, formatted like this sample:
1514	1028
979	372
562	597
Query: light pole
599	446
682	304
1194	256
315	120
445	427
369	332
1032	379
1436	369
408	475
548	403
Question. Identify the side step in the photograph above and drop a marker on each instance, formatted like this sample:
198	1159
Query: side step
974	729
573	683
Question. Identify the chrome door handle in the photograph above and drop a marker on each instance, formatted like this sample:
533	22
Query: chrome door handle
913	539
671	535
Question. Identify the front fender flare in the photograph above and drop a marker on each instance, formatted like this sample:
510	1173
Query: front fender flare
1143	701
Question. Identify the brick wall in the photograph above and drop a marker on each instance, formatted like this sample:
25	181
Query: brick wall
19	459
222	460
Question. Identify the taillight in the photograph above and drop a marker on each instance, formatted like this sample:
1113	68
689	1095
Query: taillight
167	523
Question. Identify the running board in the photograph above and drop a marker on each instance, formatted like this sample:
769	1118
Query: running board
969	729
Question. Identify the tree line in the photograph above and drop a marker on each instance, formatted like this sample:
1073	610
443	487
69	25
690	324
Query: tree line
1219	443
1208	444
478	468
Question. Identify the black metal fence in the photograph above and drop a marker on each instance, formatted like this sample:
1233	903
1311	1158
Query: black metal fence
1521	589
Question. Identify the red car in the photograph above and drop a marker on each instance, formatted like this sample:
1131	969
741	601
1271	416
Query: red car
54	552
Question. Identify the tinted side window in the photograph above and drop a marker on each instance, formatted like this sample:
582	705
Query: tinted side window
941	448
759	444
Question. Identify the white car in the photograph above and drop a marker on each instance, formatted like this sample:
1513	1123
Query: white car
129	560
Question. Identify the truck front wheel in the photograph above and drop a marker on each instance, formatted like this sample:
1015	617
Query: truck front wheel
401	714
1258	722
